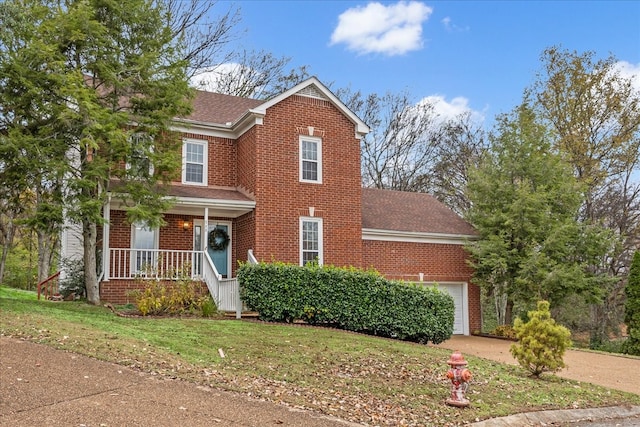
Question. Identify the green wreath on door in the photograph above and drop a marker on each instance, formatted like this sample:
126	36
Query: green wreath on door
218	239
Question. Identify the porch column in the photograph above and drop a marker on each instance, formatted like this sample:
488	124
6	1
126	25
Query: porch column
106	213
205	227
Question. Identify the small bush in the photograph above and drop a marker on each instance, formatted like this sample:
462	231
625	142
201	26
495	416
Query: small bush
73	282
541	342
504	331
181	297
209	308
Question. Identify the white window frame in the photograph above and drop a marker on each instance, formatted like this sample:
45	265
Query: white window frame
306	219
318	161
205	160
150	255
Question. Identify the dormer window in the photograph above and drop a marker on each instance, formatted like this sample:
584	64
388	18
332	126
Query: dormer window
194	162
310	159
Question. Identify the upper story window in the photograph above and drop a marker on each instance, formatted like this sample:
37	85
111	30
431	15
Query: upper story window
310	240
194	162
310	159
139	164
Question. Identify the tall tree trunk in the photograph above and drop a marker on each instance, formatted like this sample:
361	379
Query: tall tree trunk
7	242
90	275
46	245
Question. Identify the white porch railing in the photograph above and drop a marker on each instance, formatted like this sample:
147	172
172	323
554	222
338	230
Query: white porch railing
159	264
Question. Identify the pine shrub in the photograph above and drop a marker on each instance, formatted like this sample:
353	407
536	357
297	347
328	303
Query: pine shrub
541	342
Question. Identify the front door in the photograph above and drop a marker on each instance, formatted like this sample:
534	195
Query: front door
218	241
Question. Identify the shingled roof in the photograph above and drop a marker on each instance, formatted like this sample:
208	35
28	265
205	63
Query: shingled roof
410	212
178	190
220	109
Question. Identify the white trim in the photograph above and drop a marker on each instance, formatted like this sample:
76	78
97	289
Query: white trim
318	142
106	231
255	116
205	161
156	245
319	221
204	129
241	205
361	128
415	237
211	224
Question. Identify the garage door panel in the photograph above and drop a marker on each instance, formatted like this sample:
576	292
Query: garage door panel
456	292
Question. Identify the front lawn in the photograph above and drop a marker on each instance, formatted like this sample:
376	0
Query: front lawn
356	377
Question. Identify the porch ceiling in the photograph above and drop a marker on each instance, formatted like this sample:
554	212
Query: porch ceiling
192	200
217	207
221	202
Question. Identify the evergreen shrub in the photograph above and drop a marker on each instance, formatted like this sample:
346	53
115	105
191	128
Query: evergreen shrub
73	283
632	308
347	298
541	342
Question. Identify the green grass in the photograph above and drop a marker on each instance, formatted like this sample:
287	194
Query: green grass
356	377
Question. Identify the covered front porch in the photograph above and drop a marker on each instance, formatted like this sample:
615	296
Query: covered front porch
133	265
199	240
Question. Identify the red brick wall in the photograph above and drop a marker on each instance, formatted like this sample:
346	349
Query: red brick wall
264	161
222	160
172	234
243	234
438	263
246	158
117	291
281	199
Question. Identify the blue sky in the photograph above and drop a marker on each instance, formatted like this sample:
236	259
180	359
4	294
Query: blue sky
477	55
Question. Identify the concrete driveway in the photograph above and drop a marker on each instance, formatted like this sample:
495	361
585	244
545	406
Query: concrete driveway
614	371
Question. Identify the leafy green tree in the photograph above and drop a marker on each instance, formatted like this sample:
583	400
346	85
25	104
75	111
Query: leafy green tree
632	307
594	113
524	203
541	342
29	172
92	70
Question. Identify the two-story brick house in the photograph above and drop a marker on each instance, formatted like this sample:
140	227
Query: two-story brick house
280	180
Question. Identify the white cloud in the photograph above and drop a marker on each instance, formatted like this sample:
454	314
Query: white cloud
207	79
451	27
375	28
630	71
450	109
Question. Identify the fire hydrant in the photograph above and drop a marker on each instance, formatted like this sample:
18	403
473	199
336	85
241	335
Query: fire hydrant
459	376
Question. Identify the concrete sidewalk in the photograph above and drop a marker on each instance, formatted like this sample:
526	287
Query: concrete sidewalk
41	386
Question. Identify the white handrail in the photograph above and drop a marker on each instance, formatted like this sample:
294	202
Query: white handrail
251	258
161	264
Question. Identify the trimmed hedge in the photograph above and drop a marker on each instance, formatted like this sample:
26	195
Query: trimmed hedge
347	298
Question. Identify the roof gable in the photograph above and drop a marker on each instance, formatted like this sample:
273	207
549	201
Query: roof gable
235	114
410	212
313	88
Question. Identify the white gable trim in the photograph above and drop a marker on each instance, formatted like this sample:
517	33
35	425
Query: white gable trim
361	127
414	237
255	116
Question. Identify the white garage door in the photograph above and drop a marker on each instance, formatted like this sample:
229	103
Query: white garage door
456	290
